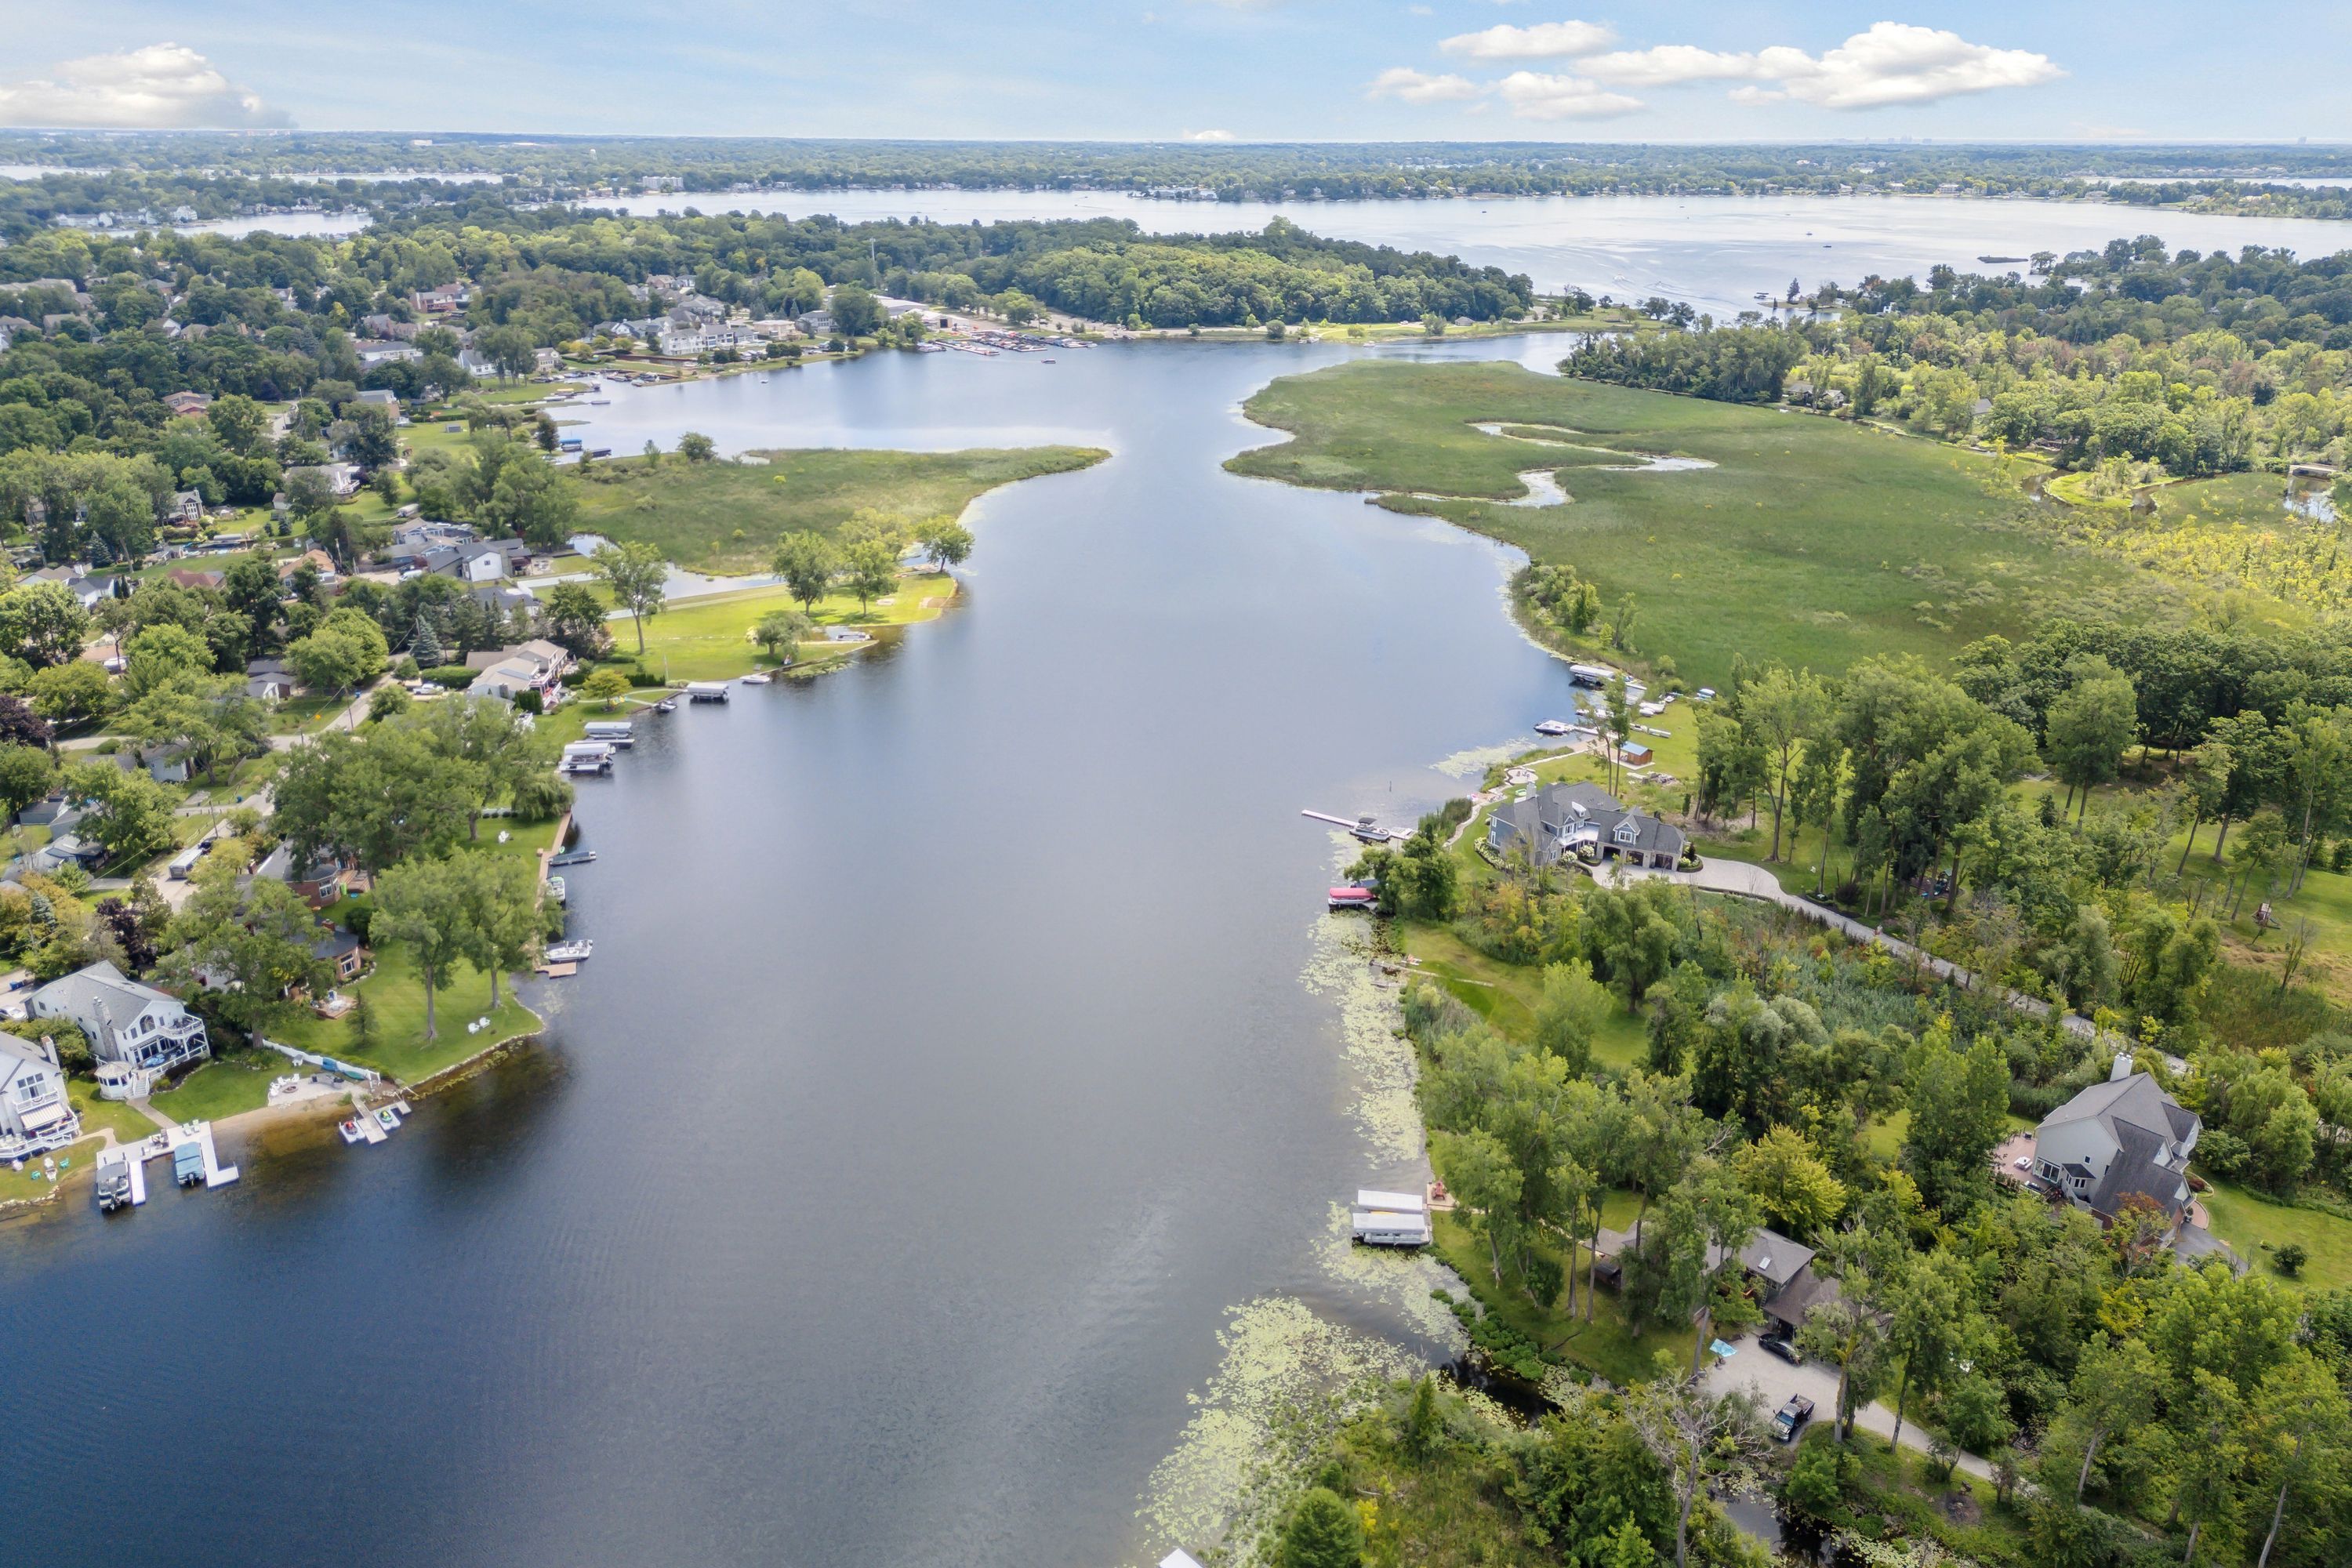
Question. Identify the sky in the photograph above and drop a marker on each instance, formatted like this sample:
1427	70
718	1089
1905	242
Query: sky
1212	70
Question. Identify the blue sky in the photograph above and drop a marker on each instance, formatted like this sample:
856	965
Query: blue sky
1245	69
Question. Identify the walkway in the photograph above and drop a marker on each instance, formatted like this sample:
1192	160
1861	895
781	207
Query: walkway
1745	879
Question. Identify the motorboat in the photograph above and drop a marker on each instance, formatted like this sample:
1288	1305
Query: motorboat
758	678
570	951
1555	727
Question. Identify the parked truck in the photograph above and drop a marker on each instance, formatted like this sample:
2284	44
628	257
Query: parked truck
1791	1417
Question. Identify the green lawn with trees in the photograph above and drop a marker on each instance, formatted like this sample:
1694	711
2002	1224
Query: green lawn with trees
727	516
1808	542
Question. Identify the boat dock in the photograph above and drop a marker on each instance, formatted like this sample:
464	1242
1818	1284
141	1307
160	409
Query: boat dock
132	1156
200	1133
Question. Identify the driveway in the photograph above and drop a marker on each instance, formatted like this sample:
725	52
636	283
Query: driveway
1774	1380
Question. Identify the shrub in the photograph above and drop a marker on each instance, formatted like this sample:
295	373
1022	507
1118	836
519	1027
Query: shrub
456	675
2290	1259
1817	1481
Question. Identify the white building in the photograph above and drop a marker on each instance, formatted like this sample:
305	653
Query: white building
146	1029
35	1114
2116	1142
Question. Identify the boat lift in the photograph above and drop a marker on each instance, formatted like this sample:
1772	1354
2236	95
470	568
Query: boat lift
1363	827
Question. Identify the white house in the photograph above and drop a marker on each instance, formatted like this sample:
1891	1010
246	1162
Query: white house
2115	1142
35	1114
534	666
136	1024
384	351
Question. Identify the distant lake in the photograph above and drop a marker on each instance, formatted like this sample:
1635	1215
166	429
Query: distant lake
1715	252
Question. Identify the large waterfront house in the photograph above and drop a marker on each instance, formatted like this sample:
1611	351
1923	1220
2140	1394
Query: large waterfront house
143	1028
35	1114
2115	1142
537	665
1568	819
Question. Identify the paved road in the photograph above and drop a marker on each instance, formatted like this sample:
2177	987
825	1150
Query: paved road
1774	1380
1745	879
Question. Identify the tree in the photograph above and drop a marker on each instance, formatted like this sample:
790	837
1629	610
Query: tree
163	654
1925	1299
2116	1386
1708	1218
856	313
2301	1433
607	685
347	650
1703	1443
1787	714
20	726
130	814
779	632
637	578
26	774
2090	727
1323	1531
1799	1195
2212	1453
805	562
1573	1007
697	448
423	905
42	623
1477	1168
249	939
1959	1110
947	541
872	570
502	916
574	619
67	692
1849	1335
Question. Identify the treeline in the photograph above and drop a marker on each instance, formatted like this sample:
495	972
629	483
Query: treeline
1268	171
2129	360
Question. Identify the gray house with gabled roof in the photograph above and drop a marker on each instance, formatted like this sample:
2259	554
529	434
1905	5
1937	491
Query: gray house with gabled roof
2115	1142
145	1028
1564	818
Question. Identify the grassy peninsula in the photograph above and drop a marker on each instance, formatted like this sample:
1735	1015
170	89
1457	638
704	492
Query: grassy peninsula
727	516
1808	540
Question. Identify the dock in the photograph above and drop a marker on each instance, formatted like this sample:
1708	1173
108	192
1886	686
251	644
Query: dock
370	1128
558	970
200	1133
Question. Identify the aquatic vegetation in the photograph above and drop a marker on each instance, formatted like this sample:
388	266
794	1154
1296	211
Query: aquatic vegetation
1380	1063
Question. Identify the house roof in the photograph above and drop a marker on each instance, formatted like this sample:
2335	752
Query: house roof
95	986
2134	1101
1774	1257
23	1049
334	941
1801	1296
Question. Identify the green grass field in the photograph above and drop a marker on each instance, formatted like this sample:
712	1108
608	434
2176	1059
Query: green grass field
724	516
2256	1227
709	638
233	1082
1809	541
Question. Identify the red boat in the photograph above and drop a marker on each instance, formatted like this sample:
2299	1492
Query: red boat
1352	897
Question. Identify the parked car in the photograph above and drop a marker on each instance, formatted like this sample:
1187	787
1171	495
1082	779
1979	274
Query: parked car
1784	1348
1791	1418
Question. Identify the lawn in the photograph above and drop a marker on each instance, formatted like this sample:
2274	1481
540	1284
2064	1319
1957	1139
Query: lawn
229	1083
709	638
1604	1345
727	516
1505	995
127	1125
15	1185
1809	541
2254	1225
396	1044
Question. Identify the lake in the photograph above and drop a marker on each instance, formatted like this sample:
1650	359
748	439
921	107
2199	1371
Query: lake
1715	252
945	1075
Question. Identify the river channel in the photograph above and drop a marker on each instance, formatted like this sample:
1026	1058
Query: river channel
945	1074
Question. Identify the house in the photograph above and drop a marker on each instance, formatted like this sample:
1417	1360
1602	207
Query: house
69	849
342	951
343	479
268	680
508	600
86	589
481	366
187	577
382	397
439	302
167	764
374	352
35	1114
186	404
1574	818
534	666
328	880
316	560
2116	1142
1779	1271
186	506
145	1028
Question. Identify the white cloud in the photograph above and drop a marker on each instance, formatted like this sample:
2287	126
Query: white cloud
1544	41
1535	95
1208	136
164	87
1669	64
1420	87
1895	62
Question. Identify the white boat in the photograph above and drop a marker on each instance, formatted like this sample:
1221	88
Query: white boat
555	889
1555	727
758	678
570	951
